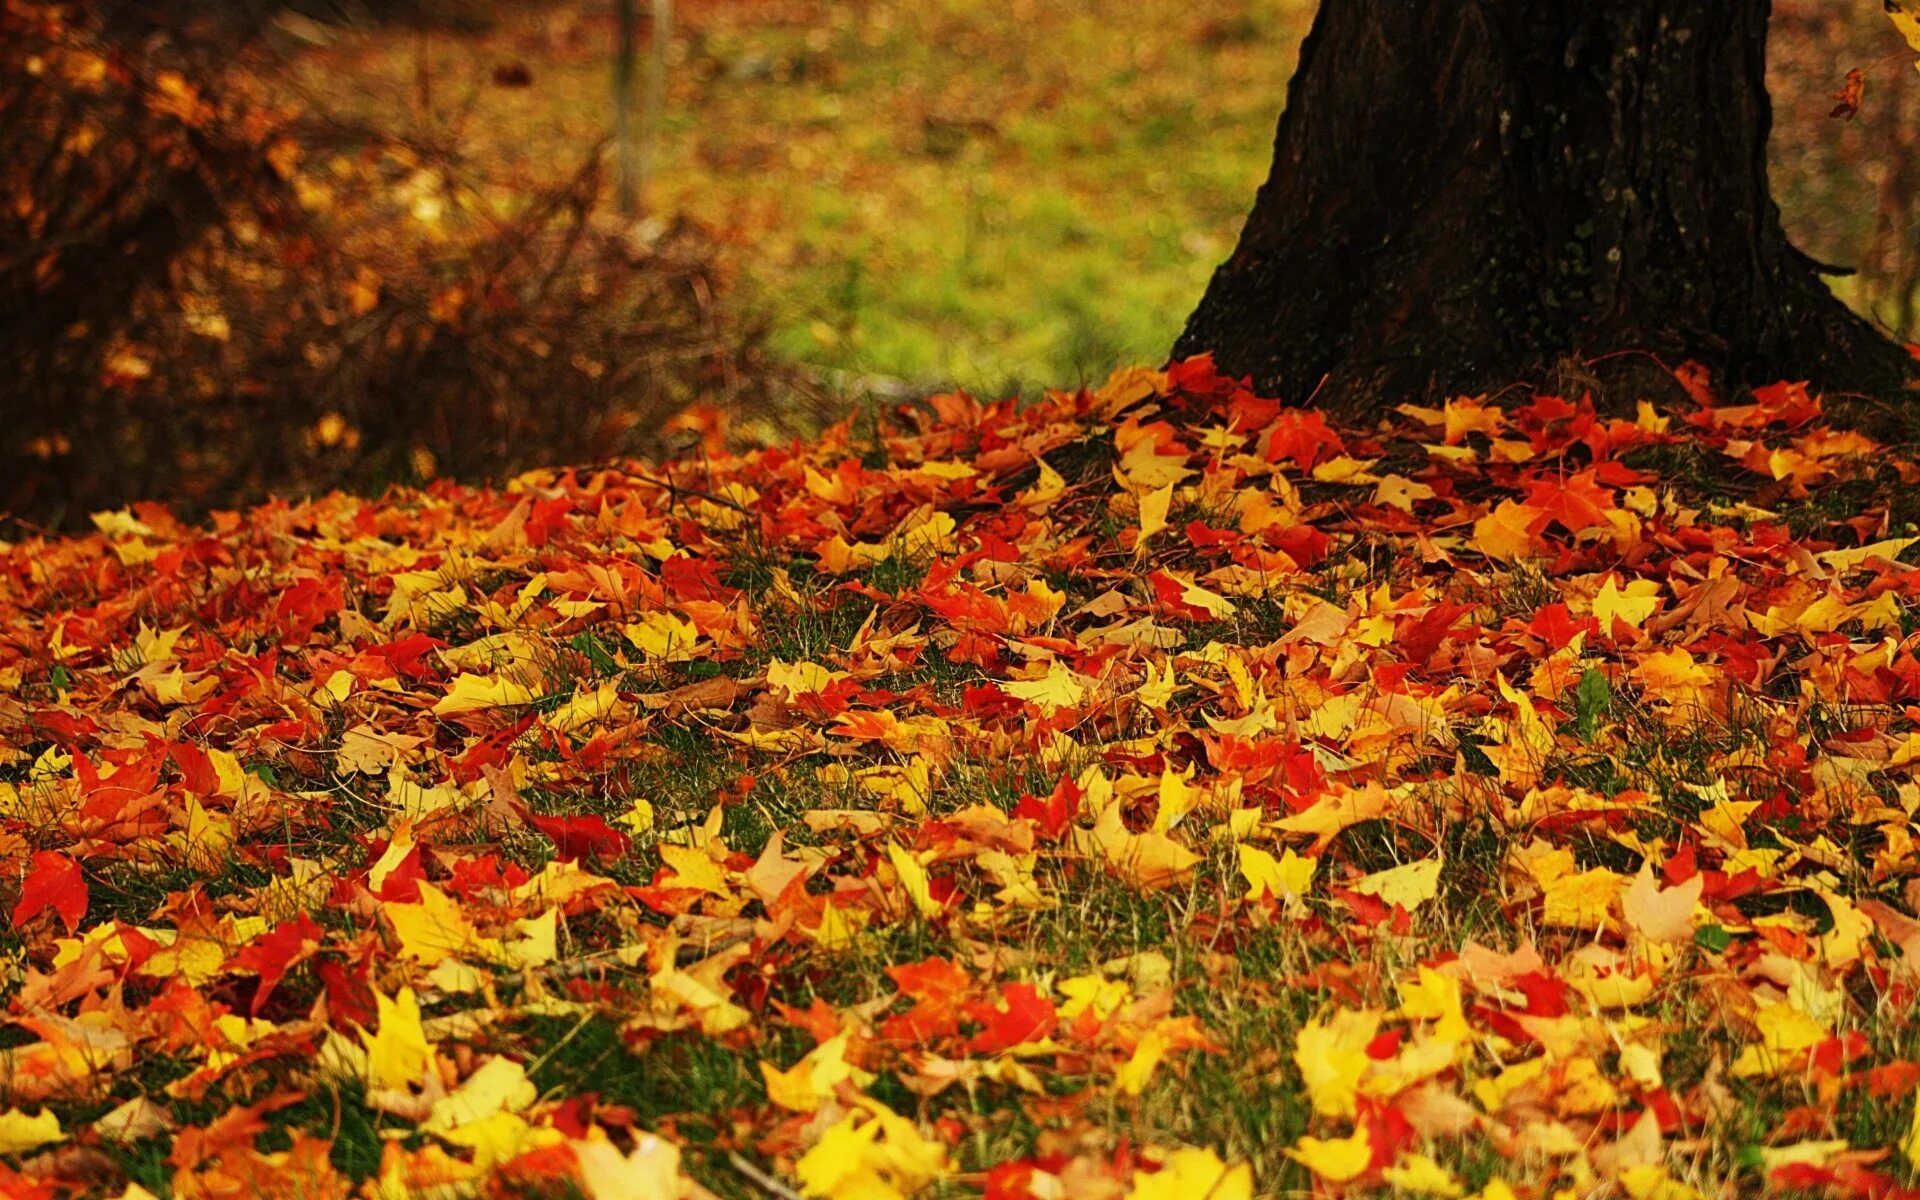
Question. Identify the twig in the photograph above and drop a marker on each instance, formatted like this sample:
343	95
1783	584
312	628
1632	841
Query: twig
766	1182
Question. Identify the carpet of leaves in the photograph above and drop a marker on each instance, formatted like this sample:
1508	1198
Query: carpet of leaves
1150	792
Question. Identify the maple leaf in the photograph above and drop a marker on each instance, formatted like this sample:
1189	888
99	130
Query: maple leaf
1336	1160
398	1052
1151	859
1021	1016
1188	1173
1332	1056
870	1152
1661	914
1408	886
1509	532
1905	15
20	1132
56	883
806	1085
650	1171
1287	877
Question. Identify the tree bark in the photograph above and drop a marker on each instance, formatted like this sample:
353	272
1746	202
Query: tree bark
1465	193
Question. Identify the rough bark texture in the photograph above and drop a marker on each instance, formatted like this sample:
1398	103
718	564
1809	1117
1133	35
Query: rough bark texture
1466	192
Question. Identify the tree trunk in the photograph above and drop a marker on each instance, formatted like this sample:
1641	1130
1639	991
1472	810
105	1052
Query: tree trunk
1467	193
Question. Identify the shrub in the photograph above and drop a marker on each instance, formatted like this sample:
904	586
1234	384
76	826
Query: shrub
215	300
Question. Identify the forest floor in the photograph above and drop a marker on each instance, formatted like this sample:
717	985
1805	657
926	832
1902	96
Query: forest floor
1141	793
891	177
1005	197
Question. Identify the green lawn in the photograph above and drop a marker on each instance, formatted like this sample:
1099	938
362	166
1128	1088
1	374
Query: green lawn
991	195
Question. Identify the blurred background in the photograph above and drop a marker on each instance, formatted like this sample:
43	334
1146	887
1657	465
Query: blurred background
252	250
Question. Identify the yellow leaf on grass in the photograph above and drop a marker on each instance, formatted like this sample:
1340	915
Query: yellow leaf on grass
1059	688
437	928
663	637
1131	1079
806	1085
1334	1159
20	1132
1583	900
1785	1032
1506	533
499	1086
650	1172
1153	515
873	1154
694	869
397	1051
1408	886
472	692
1661	914
1910	1144
1285	878
1631	605
1905	15
1152	860
913	877
1422	1176
1193	1174
1332	1056
1327	816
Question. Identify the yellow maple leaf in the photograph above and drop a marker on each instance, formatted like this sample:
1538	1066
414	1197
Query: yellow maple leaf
871	1153
1506	534
500	1085
694	868
1151	859
1660	914
1422	1176
1061	687
1332	1056
839	928
437	928
1327	816
398	1053
1905	15
1632	605
1434	997
1177	799
1153	515
1582	899
20	1132
1285	878
806	1085
1336	1160
471	692
1408	886
913	877
1193	1174
1785	1032
650	1172
1910	1144
663	637
1132	1076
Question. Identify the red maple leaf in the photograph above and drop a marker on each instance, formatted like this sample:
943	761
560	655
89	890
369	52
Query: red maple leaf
937	988
56	883
581	837
274	954
1022	1015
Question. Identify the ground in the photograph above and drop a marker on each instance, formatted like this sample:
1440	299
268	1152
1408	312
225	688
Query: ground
892	175
1014	196
1123	794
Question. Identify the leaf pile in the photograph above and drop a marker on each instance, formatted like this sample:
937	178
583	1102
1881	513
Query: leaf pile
1146	792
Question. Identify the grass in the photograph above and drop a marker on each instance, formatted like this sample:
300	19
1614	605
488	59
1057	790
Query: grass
997	196
994	196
